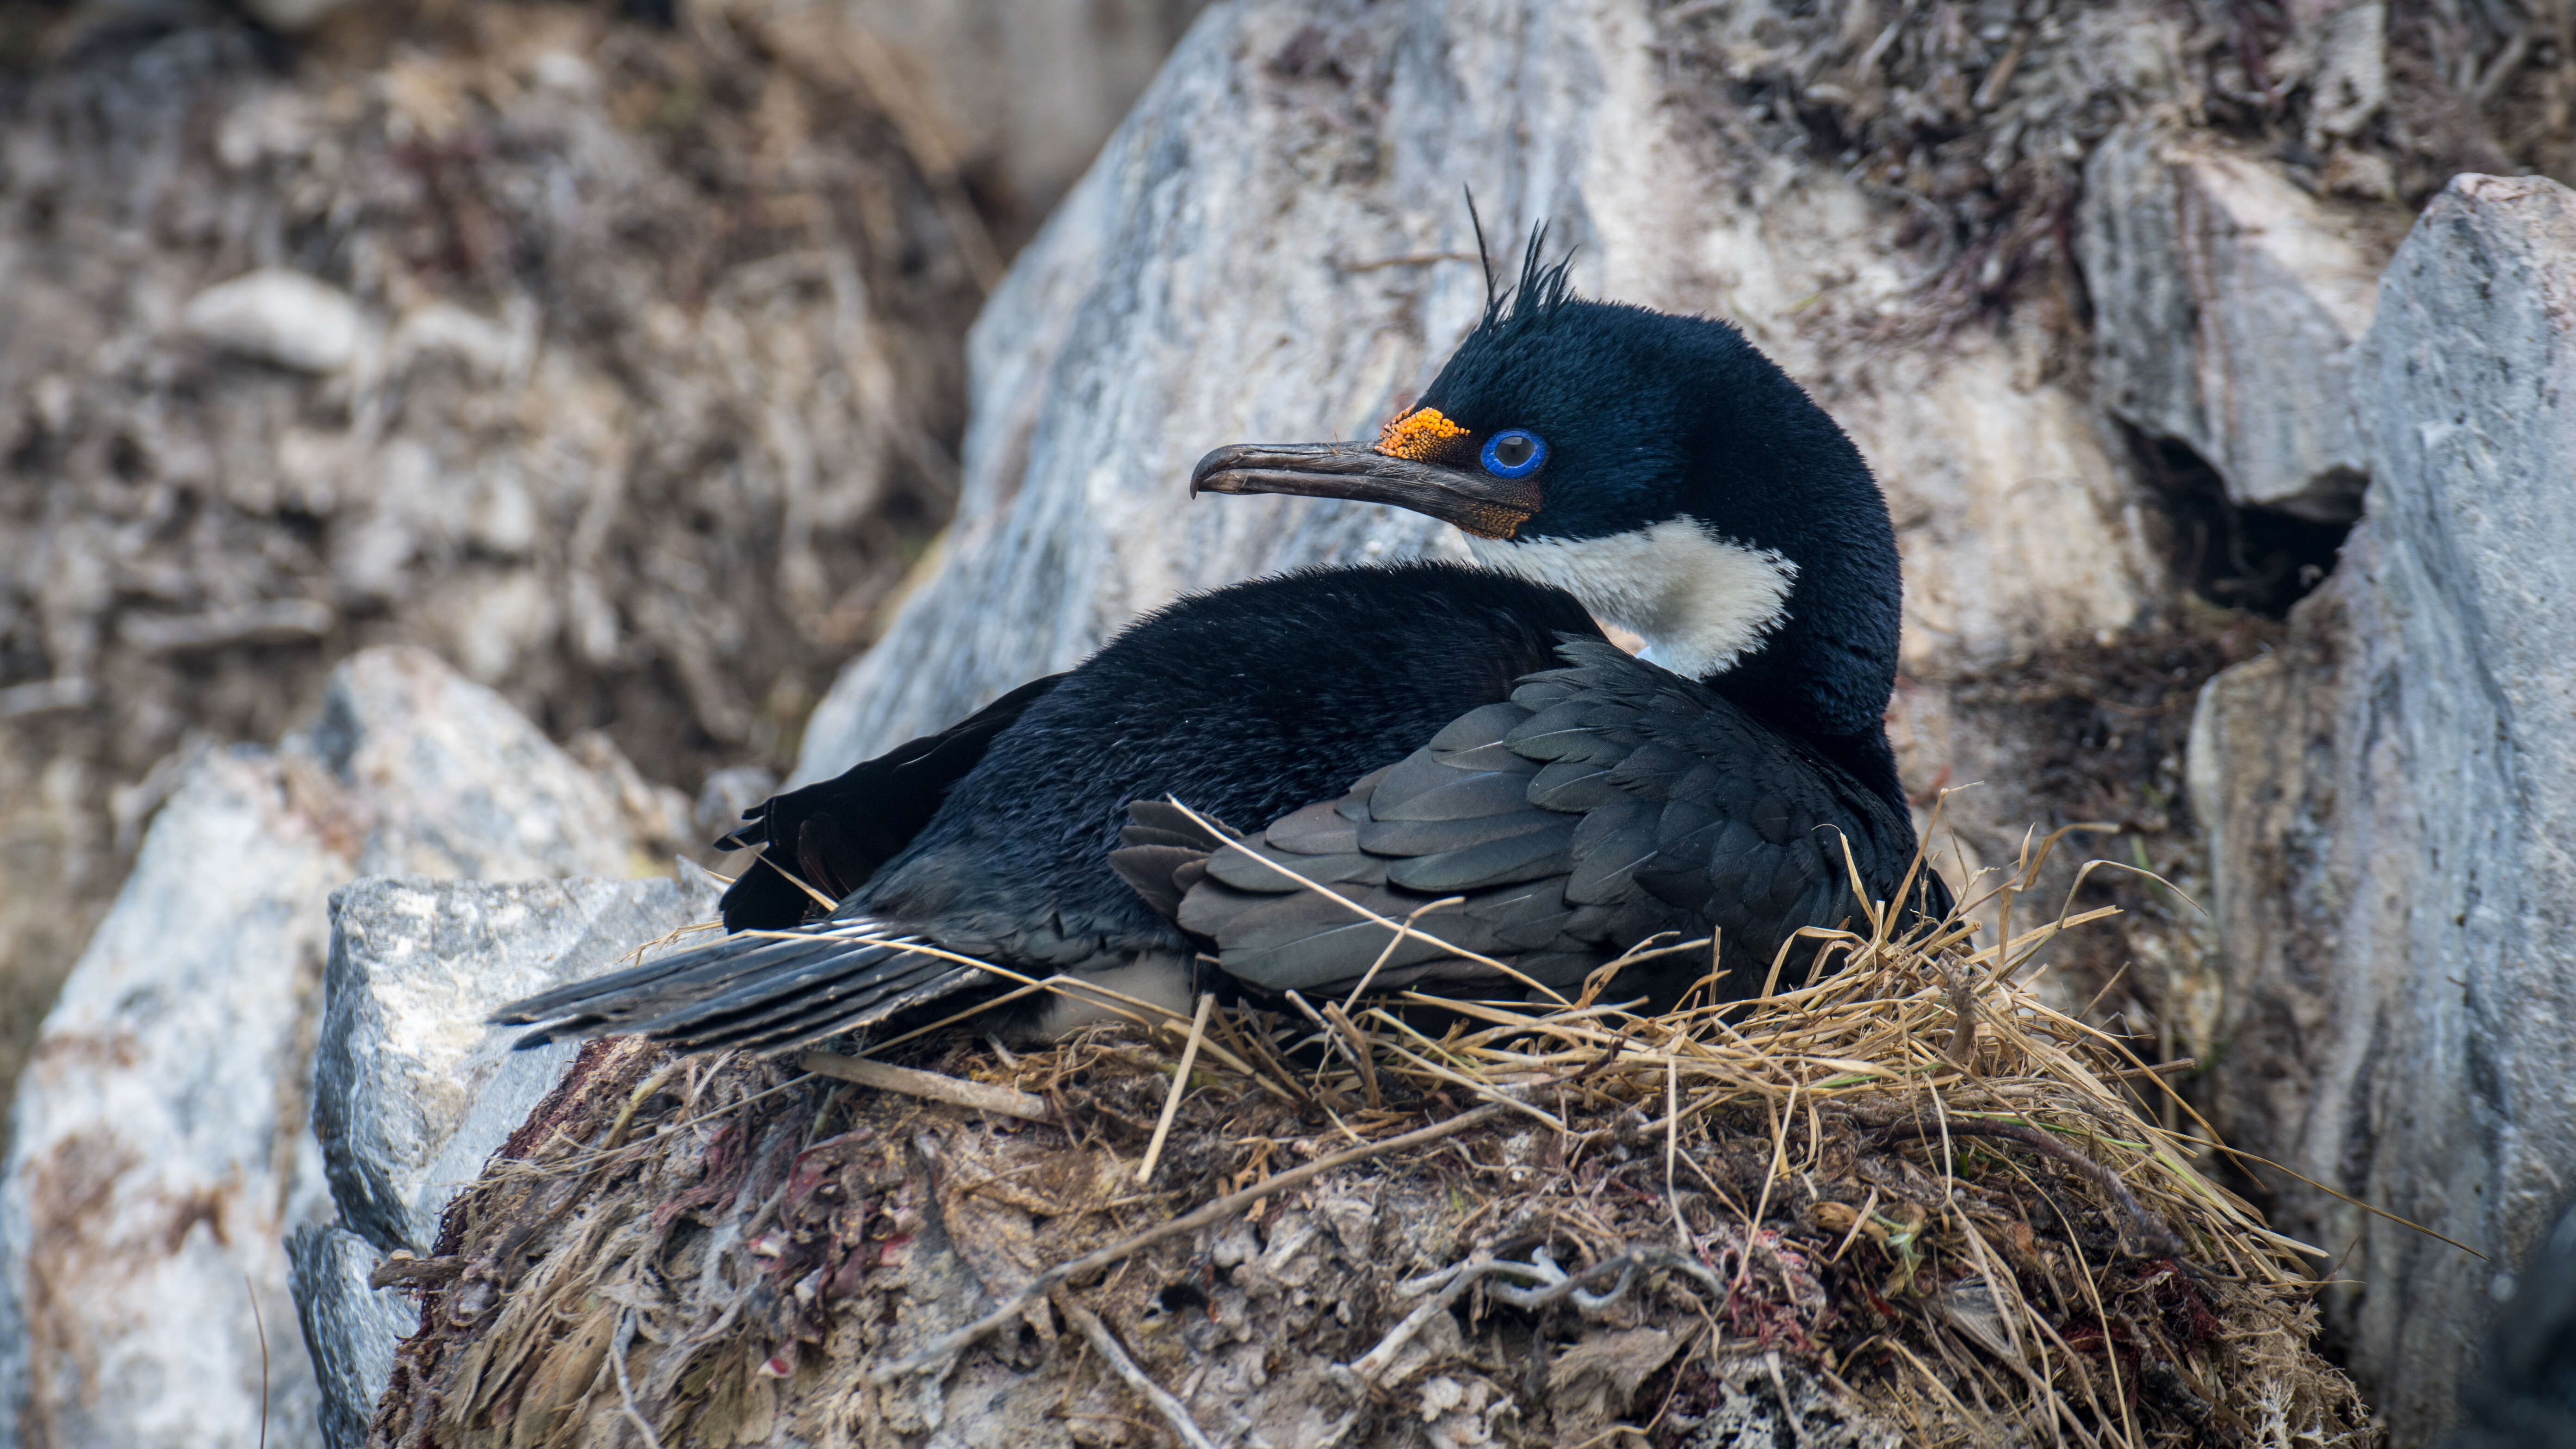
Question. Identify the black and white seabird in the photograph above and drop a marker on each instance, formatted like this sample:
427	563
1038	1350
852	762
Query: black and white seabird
1402	734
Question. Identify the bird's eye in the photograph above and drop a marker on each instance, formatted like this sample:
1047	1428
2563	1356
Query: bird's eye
1514	453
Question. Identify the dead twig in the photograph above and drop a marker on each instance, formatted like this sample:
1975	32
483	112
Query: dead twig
259	1322
1962	1048
1106	1344
617	1352
1450	1283
886	1077
1360	1053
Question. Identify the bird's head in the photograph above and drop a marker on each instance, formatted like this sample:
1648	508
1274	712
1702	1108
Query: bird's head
1662	471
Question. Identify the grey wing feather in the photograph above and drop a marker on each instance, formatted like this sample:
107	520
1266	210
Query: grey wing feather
1607	801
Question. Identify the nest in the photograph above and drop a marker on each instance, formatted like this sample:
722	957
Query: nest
1906	1203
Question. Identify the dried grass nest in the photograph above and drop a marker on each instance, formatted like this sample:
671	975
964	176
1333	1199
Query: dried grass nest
1909	1203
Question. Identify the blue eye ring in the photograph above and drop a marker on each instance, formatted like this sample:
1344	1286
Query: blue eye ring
1494	463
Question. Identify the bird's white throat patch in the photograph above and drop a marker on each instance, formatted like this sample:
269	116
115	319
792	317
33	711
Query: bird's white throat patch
1700	602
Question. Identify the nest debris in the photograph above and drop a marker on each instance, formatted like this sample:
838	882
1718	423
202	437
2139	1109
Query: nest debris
1906	1203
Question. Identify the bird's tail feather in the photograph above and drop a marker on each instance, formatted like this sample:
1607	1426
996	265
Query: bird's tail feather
767	993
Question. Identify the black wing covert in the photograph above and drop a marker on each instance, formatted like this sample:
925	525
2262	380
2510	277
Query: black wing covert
1605	802
836	833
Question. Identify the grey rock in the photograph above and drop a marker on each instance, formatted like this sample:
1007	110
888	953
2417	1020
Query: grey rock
292	16
440	776
2391	798
282	317
412	1091
350	1329
162	1149
2227	306
158	1154
1028	91
1273	247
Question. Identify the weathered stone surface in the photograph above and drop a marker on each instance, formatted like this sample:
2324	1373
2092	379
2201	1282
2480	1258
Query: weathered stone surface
1027	92
439	776
279	316
413	1093
157	1156
562	328
2227	304
161	1148
1273	247
2392	798
349	1328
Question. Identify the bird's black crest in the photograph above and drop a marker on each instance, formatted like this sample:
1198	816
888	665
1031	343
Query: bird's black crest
1542	291
1484	253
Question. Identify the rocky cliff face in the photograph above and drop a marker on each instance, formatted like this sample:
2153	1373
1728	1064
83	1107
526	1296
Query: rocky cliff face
2391	797
162	1145
2228	305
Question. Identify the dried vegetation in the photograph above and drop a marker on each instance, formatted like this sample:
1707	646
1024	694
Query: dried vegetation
1907	1203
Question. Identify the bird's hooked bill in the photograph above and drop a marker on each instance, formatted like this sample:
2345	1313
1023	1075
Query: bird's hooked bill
1484	505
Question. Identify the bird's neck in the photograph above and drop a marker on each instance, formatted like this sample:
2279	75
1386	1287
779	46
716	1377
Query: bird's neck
1701	602
1825	673
1864	752
1807	645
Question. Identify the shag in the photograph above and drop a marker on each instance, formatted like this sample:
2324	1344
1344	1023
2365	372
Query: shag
1398	736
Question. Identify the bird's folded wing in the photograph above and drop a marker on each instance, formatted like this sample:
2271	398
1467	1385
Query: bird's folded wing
1606	801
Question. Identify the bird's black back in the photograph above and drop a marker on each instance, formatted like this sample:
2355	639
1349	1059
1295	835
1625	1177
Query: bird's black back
1244	704
837	833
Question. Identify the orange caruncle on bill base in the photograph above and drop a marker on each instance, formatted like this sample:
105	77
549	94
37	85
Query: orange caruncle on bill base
1421	435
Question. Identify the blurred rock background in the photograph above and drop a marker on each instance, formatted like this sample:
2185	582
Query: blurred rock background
613	354
617	357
